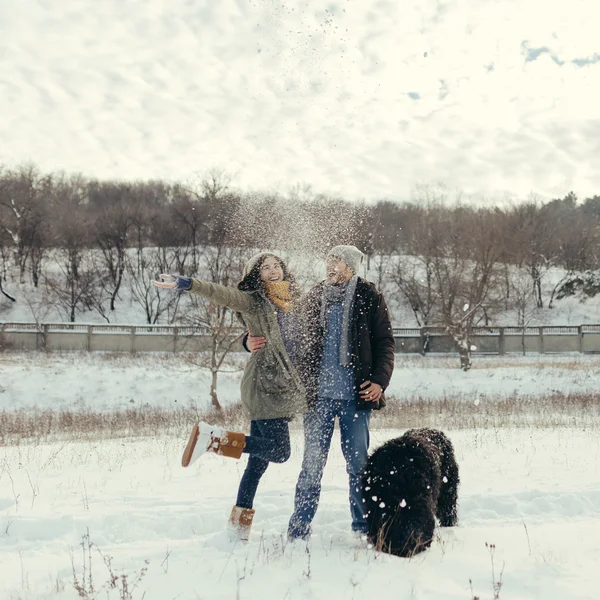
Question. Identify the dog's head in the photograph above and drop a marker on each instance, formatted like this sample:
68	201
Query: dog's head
404	536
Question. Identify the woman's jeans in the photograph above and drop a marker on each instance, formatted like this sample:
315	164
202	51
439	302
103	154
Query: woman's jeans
318	430
269	441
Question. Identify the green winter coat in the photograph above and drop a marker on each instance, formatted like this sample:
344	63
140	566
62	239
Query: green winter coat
271	387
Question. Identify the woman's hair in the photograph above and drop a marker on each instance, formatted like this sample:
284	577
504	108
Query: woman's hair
253	282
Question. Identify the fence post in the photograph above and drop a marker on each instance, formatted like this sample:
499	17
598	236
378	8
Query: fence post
133	328
580	334
501	341
89	338
175	336
541	333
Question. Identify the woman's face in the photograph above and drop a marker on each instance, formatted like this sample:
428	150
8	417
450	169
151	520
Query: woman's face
271	270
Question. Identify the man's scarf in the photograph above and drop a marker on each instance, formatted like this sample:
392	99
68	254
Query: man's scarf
280	294
334	294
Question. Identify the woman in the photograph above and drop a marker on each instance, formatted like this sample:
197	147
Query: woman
271	390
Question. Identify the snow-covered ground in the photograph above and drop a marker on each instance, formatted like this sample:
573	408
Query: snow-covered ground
97	382
529	497
529	518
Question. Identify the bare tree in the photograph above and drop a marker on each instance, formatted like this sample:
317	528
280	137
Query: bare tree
413	277
5	293
379	254
412	273
523	302
4	252
190	213
214	205
22	195
154	304
222	265
115	210
4	248
70	294
531	245
465	253
77	280
576	240
152	198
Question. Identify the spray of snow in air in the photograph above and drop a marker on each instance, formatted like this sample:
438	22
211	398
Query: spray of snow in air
301	46
300	230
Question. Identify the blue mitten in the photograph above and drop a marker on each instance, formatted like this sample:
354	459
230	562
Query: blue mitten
183	283
170	282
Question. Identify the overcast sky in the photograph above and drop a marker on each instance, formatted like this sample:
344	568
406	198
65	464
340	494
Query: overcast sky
359	98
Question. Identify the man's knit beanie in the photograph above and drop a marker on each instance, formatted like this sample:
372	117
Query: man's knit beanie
351	255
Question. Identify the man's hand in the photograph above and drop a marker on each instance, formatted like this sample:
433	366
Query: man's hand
371	392
255	343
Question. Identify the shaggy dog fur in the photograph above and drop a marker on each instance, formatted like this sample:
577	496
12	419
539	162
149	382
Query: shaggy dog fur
406	483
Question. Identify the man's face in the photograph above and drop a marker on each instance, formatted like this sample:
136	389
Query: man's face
337	272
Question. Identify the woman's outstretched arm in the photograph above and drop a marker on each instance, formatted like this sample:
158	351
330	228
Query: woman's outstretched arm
219	294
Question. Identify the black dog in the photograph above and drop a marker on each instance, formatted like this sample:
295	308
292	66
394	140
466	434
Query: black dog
406	483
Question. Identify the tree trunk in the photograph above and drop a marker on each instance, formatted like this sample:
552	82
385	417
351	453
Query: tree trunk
35	273
214	398
460	335
117	286
6	293
465	361
215	372
506	286
554	291
537	288
194	253
73	303
465	357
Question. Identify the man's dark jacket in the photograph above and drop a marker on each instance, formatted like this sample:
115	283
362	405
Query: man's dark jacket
372	341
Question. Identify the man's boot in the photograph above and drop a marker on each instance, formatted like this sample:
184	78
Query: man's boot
208	438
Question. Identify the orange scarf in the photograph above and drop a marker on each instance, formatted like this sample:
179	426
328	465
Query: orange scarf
280	294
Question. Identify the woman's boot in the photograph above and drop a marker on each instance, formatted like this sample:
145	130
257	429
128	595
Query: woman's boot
209	438
240	523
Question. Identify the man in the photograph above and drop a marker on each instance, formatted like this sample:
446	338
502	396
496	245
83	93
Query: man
346	363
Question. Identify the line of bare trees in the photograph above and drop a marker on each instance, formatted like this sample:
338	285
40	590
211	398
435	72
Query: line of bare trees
461	266
454	265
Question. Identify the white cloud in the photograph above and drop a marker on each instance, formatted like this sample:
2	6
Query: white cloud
362	99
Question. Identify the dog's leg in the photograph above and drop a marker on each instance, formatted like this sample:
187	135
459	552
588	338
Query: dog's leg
447	510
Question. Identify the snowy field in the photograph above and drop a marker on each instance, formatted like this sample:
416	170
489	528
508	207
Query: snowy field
92	516
529	520
104	382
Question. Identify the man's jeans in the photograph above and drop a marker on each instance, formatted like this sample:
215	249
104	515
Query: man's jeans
318	429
